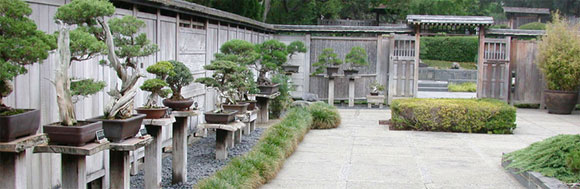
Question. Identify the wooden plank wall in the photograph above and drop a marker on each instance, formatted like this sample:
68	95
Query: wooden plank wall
300	79
189	42
529	79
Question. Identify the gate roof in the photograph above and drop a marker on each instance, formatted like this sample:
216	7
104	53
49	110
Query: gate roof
449	20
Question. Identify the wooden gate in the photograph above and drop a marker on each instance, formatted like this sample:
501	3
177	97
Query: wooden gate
403	72
493	77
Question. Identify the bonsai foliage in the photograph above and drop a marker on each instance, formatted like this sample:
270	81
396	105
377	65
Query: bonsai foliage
272	55
225	78
295	47
21	44
180	78
559	55
284	100
376	87
155	86
242	53
325	59
357	57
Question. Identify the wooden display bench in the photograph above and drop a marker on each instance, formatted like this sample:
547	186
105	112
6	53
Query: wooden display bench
225	137
377	100
179	139
73	161
153	153
120	159
13	160
250	120
264	105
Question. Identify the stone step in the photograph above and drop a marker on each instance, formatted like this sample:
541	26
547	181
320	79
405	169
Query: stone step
433	89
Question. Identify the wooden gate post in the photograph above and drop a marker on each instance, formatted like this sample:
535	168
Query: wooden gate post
480	57
351	92
331	91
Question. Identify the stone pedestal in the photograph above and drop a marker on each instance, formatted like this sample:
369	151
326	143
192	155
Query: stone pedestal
120	159
73	161
250	120
264	106
331	90
224	136
13	160
153	150
377	100
179	152
351	90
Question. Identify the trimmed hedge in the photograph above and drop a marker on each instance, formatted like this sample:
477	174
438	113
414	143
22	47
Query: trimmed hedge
460	49
454	115
533	26
324	116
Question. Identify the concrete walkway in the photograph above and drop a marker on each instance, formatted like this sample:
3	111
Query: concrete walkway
363	154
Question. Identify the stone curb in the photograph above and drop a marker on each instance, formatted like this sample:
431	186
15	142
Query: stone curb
533	180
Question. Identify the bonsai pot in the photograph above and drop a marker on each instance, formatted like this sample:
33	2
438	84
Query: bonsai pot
291	68
251	104
152	113
560	102
77	135
241	107
19	125
331	70
117	130
374	94
224	117
178	105
350	72
268	89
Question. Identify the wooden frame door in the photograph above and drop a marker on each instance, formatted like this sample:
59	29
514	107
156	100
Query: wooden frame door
403	68
493	78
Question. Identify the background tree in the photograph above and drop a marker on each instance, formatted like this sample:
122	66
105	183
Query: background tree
21	44
249	8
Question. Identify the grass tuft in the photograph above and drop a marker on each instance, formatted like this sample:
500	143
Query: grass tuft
463	87
324	116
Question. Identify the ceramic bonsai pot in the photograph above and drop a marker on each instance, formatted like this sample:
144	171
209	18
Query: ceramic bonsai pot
152	113
268	89
117	130
82	133
560	102
350	72
178	105
224	117
19	125
331	70
241	107
251	104
291	68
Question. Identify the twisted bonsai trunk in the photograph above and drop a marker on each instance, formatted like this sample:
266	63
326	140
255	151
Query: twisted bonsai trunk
62	80
152	100
262	80
5	89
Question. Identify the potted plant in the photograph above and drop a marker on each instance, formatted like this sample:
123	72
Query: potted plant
376	88
292	49
272	55
156	86
182	77
327	60
226	74
559	60
20	45
357	57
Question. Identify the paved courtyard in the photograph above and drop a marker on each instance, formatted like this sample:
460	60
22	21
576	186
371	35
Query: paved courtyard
363	154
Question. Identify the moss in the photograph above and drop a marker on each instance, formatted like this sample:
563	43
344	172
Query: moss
454	115
12	112
463	87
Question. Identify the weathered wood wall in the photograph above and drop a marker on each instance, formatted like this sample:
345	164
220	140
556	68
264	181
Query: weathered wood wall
300	79
529	79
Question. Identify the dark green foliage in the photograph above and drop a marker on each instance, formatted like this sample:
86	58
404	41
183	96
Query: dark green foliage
324	116
296	47
84	45
226	77
12	112
325	59
86	87
454	115
460	49
243	53
549	157
357	57
284	100
247	8
272	55
130	44
182	77
573	161
533	26
84	11
500	26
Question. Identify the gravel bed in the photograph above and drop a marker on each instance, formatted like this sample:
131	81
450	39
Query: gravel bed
201	161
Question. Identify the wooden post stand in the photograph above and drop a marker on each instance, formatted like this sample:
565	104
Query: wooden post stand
73	161
120	159
331	90
179	152
224	137
263	106
351	90
250	120
153	150
13	160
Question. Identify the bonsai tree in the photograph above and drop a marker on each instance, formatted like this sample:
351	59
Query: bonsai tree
242	53
295	47
273	54
180	78
357	57
325	59
225	78
21	44
376	87
161	70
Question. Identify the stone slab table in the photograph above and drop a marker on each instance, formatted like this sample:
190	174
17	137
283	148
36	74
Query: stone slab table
153	153
224	137
13	160
179	139
120	159
377	100
250	120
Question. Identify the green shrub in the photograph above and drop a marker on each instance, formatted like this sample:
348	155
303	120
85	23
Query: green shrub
441	64
549	157
533	26
463	87
284	100
454	115
573	161
459	49
324	116
500	26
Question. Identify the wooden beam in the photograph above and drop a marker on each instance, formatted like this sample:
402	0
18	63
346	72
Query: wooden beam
417	60
480	60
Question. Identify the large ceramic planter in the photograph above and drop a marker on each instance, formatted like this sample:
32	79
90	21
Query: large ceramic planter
241	107
350	72
117	130
178	105
331	70
268	89
82	133
290	68
220	118
560	102
19	125
251	104
152	113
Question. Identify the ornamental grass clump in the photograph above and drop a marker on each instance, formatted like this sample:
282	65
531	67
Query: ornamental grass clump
556	156
324	116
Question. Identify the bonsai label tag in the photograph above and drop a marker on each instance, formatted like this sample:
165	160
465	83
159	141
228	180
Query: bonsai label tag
143	131
100	134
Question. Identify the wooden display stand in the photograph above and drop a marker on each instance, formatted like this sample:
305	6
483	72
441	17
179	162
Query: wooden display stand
250	120
331	90
13	160
224	137
73	161
377	100
351	90
263	106
120	159
179	138
153	151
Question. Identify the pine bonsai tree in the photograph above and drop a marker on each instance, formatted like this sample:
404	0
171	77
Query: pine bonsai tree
242	53
225	78
295	47
325	59
272	55
357	57
21	44
182	77
162	70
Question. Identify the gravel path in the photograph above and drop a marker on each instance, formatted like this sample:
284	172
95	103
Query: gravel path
201	161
